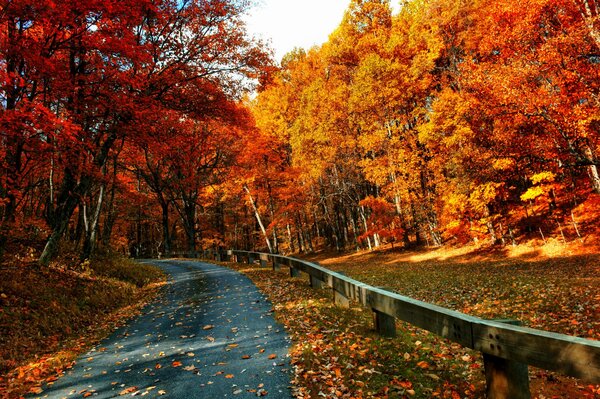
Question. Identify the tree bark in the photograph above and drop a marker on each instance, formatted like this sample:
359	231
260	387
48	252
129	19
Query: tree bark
89	244
258	219
68	200
364	219
592	169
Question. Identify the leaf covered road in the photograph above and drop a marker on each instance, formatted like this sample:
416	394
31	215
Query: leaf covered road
210	335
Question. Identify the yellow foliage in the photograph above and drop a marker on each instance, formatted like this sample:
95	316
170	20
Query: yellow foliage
532	193
483	195
546	177
503	164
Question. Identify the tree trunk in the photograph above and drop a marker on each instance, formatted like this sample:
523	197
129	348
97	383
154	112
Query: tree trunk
68	200
403	226
166	236
109	219
490	225
592	170
189	225
258	219
289	232
308	237
89	244
364	219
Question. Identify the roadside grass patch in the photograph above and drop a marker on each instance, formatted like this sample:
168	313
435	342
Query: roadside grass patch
50	315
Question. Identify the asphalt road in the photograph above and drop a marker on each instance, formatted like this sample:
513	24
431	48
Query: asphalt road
209	335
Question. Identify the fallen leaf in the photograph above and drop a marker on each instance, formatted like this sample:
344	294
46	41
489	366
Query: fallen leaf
423	364
127	391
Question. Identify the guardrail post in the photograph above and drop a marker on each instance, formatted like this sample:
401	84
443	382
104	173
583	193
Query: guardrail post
384	324
340	298
294	272
276	264
218	256
316	283
506	379
250	259
263	260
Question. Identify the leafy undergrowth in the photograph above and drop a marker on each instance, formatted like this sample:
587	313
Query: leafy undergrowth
337	354
50	315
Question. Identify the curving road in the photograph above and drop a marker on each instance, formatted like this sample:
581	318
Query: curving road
210	335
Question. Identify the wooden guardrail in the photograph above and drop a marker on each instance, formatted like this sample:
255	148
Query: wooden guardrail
507	348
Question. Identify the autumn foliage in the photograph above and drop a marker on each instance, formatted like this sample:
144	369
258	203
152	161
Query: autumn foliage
114	110
450	121
125	124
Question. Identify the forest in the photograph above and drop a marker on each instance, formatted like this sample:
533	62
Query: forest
155	127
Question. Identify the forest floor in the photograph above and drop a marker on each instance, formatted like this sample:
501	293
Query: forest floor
337	354
50	315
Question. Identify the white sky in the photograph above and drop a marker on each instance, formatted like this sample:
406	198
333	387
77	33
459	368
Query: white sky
296	23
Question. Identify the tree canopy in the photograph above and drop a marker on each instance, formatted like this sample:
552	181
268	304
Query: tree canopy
130	125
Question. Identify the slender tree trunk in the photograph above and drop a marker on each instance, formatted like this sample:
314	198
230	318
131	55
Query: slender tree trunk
258	219
109	220
355	232
490	225
364	219
189	224
289	233
403	226
166	236
416	225
593	170
308	237
301	245
89	243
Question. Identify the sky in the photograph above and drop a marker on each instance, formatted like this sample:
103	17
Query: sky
296	23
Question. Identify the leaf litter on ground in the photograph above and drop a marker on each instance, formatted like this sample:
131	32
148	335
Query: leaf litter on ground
336	353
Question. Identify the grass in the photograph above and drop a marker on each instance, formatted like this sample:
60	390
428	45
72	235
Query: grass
50	315
555	288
